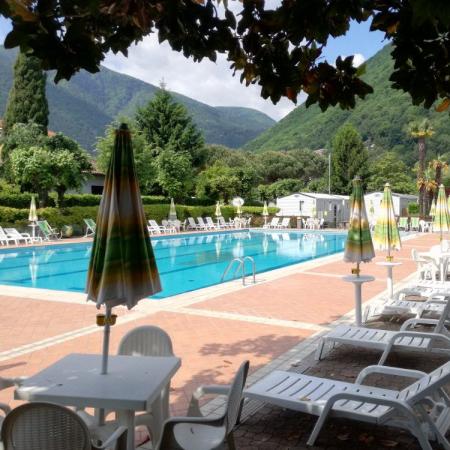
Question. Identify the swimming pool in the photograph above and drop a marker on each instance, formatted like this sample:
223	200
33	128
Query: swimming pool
185	263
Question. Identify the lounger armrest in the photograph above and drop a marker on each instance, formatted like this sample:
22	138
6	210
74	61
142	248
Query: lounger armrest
374	399
111	441
388	370
435	301
194	407
412	322
413	334
10	382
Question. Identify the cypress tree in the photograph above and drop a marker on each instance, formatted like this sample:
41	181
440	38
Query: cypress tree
27	101
349	158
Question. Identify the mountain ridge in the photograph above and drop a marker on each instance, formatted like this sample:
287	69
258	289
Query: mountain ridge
382	119
85	105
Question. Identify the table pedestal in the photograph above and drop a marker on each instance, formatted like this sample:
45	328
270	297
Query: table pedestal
357	282
390	280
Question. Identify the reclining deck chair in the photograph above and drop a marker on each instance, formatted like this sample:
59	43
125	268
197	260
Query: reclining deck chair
422	408
387	340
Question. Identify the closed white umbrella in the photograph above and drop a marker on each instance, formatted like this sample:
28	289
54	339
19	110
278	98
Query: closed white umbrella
32	216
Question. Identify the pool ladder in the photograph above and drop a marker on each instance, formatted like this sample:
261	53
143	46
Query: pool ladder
240	266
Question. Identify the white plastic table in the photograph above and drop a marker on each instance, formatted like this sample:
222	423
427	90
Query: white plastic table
440	259
390	280
357	282
133	383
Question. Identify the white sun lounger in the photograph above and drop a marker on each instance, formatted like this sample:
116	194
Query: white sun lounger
387	340
12	232
273	223
6	239
284	223
192	225
210	223
422	408
201	224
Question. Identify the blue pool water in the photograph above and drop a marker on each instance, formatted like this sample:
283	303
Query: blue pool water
185	263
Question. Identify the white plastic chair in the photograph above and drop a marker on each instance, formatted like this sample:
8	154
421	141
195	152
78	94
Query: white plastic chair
46	426
425	269
148	340
196	432
6	239
422	407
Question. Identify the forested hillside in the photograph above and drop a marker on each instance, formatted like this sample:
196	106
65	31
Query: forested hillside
82	107
382	118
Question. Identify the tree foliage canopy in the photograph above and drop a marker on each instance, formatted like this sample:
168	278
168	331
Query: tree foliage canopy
280	48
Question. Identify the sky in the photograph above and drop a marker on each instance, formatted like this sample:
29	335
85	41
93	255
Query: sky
213	83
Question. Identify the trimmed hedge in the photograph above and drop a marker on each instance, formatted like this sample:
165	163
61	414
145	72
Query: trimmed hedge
74	215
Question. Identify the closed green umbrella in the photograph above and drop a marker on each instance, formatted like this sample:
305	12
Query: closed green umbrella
441	221
172	211
122	268
386	236
359	246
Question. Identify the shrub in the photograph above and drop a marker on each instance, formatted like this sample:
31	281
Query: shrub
16	200
74	215
413	209
81	200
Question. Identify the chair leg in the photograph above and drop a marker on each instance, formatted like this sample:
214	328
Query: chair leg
230	441
319	350
317	428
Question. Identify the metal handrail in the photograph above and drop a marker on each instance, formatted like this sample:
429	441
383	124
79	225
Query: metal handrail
240	265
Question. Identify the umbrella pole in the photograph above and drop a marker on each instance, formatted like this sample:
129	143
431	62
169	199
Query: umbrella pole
106	333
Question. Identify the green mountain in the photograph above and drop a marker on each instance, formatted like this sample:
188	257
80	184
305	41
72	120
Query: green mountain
83	106
382	119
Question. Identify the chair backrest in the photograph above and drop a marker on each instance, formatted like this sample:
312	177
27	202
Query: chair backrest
200	220
235	396
403	221
164	223
147	340
209	221
286	221
191	221
427	385
153	223
275	221
37	425
2	232
12	231
44	227
90	223
440	326
414	222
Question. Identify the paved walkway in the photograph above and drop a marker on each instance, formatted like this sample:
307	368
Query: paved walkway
212	330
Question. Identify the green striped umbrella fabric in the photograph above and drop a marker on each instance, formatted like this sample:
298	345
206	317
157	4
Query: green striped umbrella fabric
441	221
386	236
172	210
358	246
122	268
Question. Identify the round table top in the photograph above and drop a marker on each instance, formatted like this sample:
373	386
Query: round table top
355	279
388	263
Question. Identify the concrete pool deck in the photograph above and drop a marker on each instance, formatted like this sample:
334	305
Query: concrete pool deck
213	329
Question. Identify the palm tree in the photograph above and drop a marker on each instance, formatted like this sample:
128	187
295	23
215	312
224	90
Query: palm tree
421	131
440	167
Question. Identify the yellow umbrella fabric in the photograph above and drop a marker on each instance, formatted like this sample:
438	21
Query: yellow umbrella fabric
122	268
358	246
32	216
265	211
433	208
441	221
386	236
218	212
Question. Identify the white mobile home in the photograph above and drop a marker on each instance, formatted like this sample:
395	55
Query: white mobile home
400	201
332	208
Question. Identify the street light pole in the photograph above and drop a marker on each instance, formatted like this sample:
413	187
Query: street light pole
329	173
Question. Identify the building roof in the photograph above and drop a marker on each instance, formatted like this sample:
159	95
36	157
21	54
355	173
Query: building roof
318	195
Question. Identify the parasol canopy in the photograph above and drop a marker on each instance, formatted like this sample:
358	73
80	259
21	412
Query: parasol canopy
122	268
386	236
32	215
218	212
441	220
358	246
172	211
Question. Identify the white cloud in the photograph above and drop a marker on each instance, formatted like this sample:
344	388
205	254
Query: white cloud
358	59
208	82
